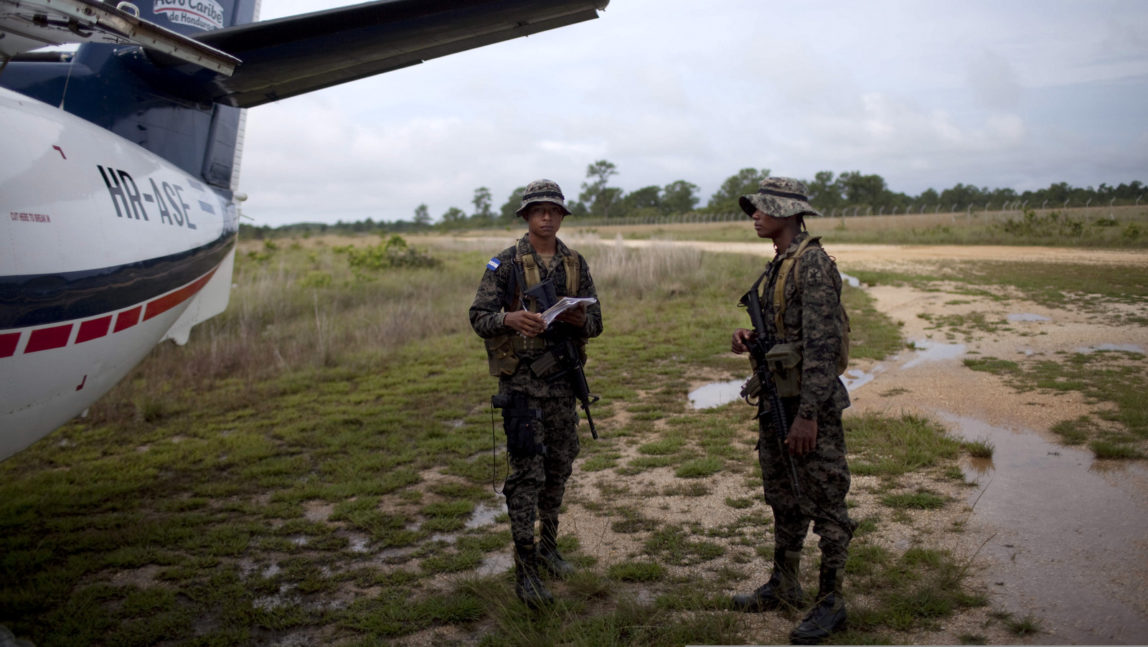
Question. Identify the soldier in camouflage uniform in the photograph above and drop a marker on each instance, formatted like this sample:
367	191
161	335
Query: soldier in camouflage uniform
538	404
816	441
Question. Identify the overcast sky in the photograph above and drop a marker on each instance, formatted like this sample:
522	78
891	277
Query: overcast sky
1000	93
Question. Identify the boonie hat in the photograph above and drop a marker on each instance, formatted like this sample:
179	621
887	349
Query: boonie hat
543	191
780	197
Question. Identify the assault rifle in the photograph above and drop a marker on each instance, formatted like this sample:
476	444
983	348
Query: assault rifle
761	383
563	354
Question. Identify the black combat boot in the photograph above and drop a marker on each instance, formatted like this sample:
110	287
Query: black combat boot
828	615
527	585
548	556
782	587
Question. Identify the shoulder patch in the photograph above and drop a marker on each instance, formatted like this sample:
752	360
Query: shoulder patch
493	264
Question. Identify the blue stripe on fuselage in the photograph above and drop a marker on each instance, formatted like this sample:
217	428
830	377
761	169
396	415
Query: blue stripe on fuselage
41	299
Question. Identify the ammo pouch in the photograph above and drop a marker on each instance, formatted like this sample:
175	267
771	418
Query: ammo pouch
500	355
557	359
550	363
520	423
784	362
503	352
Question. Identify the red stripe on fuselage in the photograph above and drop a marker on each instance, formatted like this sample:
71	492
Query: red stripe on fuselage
93	329
57	336
128	318
161	305
8	343
49	338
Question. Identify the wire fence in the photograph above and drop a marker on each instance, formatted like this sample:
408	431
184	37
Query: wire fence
988	210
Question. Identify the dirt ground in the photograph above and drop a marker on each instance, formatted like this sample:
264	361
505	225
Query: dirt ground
1053	535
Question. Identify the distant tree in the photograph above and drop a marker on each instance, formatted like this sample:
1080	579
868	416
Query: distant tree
422	215
596	194
577	209
863	190
645	197
512	203
824	192
745	181
453	217
1059	192
481	202
961	197
679	196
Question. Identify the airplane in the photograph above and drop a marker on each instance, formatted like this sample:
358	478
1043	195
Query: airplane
119	163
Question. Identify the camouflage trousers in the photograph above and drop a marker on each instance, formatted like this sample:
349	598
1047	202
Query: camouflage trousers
823	477
536	483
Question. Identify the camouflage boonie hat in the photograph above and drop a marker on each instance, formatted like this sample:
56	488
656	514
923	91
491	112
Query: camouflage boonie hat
780	197
543	191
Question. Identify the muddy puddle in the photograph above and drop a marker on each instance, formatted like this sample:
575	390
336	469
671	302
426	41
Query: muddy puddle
1065	534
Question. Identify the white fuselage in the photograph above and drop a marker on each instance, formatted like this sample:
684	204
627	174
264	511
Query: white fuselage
105	250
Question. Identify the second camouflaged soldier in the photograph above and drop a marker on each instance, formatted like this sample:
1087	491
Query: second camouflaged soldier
801	306
534	391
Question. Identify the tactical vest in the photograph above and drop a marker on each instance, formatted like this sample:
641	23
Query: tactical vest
788	265
534	274
503	352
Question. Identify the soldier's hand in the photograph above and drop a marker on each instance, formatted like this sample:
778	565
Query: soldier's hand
528	324
741	339
574	316
802	437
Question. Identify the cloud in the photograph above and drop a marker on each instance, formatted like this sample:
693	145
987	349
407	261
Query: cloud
1019	94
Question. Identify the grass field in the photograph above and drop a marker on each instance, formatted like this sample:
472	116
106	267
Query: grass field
316	467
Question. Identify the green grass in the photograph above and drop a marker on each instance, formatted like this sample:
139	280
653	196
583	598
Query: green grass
979	448
308	466
891	447
1116	379
1057	285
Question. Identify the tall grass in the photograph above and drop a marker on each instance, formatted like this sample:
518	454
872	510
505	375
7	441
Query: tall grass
661	269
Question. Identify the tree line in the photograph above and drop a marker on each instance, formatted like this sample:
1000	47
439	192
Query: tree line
828	192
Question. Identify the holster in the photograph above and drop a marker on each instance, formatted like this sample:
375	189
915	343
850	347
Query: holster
521	422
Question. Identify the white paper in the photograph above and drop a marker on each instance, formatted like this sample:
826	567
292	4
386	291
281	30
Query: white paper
564	304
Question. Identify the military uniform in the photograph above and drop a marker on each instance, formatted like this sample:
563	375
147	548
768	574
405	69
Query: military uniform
542	443
536	482
811	321
803	311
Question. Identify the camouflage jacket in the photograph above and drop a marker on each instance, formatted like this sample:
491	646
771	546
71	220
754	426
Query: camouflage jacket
812	296
497	293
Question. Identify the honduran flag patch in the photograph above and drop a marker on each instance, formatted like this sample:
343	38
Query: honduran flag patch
493	264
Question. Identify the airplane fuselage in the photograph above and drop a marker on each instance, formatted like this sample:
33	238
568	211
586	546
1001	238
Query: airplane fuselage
104	247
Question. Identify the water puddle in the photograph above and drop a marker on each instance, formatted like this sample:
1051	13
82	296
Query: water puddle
855	378
1023	317
1126	348
931	351
484	515
715	394
495	563
1070	536
358	543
